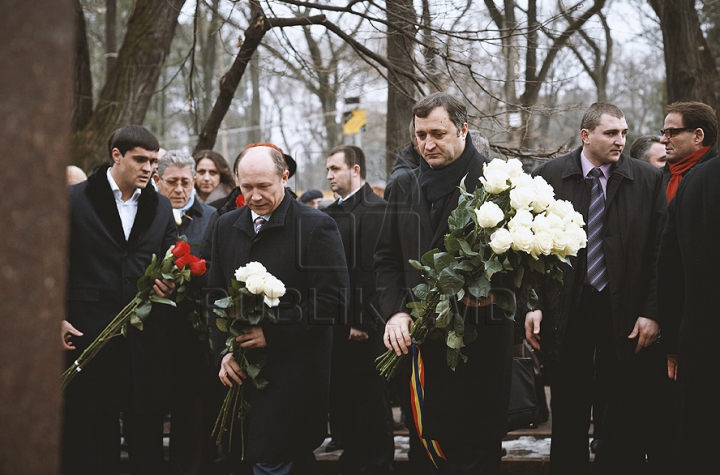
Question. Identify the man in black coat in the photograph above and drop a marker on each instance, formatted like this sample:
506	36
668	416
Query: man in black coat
193	382
117	223
606	326
687	299
464	410
360	414
689	135
301	247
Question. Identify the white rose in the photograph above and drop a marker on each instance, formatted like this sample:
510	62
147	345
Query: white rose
560	241
500	241
554	222
522	198
522	219
542	244
273	288
252	268
495	181
522	239
540	224
496	164
561	208
521	181
255	284
575	218
489	215
514	168
544	195
576	240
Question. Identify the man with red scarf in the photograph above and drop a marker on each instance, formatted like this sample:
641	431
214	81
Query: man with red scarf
689	135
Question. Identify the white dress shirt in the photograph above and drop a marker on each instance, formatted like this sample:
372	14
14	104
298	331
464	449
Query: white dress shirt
126	209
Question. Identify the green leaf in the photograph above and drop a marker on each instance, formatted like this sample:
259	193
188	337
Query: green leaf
254	317
519	274
253	370
451	244
492	266
143	311
136	322
466	249
418	265
417	308
221	323
428	258
441	260
464	266
449	282
226	302
470	335
421	291
168	276
444	312
260	383
479	287
454	340
155	298
538	265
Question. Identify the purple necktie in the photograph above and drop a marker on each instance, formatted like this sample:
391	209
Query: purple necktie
259	223
596	267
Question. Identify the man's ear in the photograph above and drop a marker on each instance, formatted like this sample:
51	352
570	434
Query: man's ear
156	178
116	155
699	136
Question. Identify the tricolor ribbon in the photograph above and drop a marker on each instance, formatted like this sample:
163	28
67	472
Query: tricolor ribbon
417	395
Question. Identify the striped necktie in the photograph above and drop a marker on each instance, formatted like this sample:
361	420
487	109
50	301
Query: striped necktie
259	223
596	267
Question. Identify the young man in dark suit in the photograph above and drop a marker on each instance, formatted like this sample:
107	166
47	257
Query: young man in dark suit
302	247
117	223
464	410
601	322
360	414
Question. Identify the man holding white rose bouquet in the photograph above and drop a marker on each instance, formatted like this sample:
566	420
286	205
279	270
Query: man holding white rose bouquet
602	319
301	247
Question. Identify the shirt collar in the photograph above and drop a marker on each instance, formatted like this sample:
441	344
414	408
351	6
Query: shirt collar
342	200
587	166
116	189
255	216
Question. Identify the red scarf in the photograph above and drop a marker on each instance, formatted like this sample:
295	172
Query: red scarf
239	201
678	168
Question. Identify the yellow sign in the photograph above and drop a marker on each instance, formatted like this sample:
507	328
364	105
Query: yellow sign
354	122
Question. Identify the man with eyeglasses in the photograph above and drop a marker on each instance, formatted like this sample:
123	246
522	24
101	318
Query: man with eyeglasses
192	378
689	135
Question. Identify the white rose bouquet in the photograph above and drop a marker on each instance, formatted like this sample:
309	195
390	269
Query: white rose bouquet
511	231
253	296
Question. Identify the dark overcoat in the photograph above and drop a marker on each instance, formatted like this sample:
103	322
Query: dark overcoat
709	155
471	402
359	219
302	247
103	273
635	207
688	283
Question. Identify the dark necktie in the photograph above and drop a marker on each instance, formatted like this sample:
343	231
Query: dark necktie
596	266
259	223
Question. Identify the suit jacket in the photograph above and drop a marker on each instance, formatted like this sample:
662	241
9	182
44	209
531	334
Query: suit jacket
635	207
300	246
103	273
471	402
359	219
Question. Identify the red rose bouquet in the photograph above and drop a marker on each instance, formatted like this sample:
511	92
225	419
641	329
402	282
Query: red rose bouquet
178	267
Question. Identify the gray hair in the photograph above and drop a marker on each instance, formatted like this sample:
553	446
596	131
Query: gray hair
641	146
178	158
481	143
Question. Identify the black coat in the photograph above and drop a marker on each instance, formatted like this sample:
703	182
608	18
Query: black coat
471	402
359	219
709	155
688	283
104	270
194	223
300	246
635	209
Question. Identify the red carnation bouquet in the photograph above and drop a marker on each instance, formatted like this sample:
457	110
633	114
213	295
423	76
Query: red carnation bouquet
178	266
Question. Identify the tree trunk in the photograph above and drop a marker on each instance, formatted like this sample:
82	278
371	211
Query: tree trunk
229	82
35	86
110	37
82	78
690	67
209	59
125	97
400	89
255	133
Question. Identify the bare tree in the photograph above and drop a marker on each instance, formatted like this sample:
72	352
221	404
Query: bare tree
600	54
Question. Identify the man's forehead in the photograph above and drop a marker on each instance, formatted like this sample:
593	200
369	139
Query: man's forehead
437	119
178	170
609	122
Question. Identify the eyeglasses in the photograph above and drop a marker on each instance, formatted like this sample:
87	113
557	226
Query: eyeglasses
173	182
672	132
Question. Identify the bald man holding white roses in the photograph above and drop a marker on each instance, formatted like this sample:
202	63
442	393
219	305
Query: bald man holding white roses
602	319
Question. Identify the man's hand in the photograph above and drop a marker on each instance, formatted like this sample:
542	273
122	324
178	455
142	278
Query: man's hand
672	366
532	328
67	331
357	335
253	338
647	330
471	301
230	371
163	288
397	333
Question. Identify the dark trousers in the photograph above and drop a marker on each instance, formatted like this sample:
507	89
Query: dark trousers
633	423
91	442
360	409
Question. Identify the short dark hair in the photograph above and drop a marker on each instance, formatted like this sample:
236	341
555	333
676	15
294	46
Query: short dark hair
641	146
276	155
353	156
131	136
220	163
592	115
454	107
698	116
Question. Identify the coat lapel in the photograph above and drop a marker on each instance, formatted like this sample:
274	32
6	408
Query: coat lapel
147	208
103	202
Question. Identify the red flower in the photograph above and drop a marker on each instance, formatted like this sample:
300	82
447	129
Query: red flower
198	267
181	249
182	261
240	201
